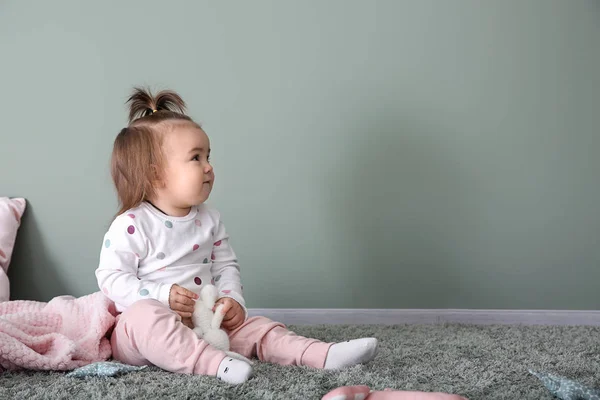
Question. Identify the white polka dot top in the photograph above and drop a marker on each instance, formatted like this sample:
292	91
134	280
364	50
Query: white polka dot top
145	252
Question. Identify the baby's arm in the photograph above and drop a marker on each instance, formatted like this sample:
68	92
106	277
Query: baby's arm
225	268
124	245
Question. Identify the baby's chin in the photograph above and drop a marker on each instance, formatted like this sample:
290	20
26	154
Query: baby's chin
202	198
202	195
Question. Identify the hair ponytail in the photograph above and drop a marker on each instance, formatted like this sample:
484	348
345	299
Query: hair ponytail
143	104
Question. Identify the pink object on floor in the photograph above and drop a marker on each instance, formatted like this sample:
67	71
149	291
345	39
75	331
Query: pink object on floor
62	334
363	392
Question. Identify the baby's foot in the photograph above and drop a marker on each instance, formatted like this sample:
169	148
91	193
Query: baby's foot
352	352
234	371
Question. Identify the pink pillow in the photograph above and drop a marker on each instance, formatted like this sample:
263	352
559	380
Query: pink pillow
11	211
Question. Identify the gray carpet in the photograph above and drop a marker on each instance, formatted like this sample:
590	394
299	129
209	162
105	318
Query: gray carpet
480	362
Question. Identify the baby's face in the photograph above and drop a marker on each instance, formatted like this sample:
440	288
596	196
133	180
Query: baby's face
188	176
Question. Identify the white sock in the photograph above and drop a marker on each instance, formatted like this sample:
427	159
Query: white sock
352	352
234	371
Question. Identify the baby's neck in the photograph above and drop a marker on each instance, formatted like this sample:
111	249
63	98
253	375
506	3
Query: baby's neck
169	210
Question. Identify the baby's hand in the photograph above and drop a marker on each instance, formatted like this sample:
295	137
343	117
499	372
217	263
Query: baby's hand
234	313
182	301
188	322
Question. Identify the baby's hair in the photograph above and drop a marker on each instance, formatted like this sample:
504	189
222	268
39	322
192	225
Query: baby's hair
137	159
143	104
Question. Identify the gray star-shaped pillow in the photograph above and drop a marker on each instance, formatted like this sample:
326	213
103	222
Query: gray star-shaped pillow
103	368
566	389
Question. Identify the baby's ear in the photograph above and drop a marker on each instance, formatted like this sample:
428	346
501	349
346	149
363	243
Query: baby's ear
157	179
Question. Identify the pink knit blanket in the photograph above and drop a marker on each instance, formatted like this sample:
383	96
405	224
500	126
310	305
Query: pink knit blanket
63	334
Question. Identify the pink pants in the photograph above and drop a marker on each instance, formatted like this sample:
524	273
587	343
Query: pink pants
150	333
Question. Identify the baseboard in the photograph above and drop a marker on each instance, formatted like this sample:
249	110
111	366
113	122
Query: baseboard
295	316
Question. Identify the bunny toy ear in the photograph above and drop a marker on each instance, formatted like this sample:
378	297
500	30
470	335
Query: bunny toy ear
208	294
217	319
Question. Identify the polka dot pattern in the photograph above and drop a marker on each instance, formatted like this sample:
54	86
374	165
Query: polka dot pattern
107	243
212	256
144	292
131	229
168	224
212	281
197	222
218	243
205	261
226	291
198	281
105	291
217	278
132	216
196	247
160	256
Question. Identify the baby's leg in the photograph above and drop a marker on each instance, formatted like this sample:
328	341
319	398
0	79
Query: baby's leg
149	333
272	342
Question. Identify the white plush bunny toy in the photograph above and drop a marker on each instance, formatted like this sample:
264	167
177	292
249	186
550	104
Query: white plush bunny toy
207	324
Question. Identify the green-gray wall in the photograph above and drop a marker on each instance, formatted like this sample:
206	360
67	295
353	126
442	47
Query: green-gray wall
385	154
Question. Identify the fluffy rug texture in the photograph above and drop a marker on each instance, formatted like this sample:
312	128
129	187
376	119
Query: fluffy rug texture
476	361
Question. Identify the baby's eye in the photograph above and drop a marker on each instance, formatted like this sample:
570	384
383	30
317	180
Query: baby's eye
196	158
